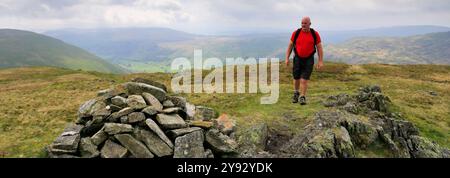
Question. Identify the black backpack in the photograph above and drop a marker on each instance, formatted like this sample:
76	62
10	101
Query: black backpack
313	33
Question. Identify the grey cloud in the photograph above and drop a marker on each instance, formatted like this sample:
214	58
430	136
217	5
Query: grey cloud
212	15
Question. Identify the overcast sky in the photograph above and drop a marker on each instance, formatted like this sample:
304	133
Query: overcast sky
217	16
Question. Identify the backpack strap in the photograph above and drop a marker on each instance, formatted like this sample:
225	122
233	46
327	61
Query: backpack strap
295	41
313	33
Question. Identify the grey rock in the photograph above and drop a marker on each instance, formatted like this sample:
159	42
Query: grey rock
321	145
123	112
119	101
108	93
99	137
219	142
171	110
150	82
67	142
254	139
327	136
154	143
180	132
151	110
72	129
172	121
88	149
199	123
378	102
124	119
89	107
421	147
209	154
135	117
136	102
114	108
362	133
190	110
399	129
152	101
136	148
113	150
134	88
397	152
101	114
338	100
50	155
168	104
115	128
190	145
343	144
178	101
351	107
155	128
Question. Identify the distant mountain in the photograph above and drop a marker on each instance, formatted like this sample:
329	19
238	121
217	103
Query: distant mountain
123	43
433	48
152	49
22	48
333	37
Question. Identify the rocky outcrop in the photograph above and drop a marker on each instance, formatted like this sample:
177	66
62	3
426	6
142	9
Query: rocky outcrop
139	120
253	140
356	123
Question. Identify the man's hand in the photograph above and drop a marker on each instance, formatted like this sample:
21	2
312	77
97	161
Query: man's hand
319	65
287	62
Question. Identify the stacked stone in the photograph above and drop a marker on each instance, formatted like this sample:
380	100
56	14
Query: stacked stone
139	120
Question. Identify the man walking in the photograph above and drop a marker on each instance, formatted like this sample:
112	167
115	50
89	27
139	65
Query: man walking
304	41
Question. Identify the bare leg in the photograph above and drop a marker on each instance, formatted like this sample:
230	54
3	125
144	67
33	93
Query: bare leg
303	86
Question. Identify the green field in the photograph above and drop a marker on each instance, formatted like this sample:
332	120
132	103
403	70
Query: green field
145	66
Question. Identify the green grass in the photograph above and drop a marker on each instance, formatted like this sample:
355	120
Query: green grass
36	103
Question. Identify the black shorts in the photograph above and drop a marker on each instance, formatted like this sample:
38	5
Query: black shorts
303	67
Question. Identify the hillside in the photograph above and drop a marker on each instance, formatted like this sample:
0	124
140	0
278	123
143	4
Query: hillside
152	49
117	44
336	36
36	103
433	48
22	48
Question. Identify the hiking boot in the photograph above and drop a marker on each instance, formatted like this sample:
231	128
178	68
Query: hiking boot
302	100
295	97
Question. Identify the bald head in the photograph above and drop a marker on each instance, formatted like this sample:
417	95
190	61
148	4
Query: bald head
306	23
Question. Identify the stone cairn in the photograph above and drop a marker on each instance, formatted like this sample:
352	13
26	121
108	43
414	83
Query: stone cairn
139	120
